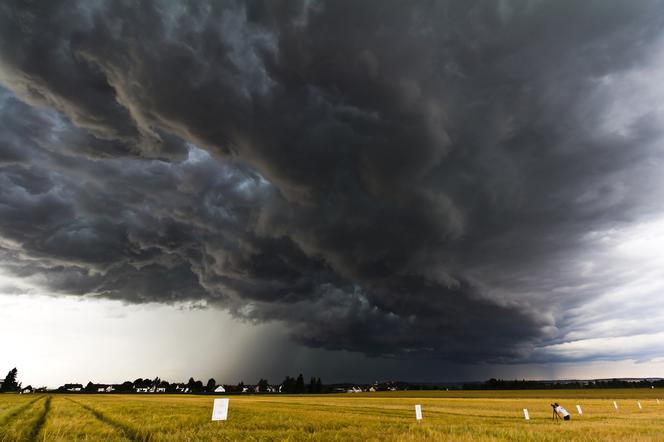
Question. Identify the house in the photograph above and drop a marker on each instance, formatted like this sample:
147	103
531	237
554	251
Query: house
160	390
355	390
245	389
109	389
101	390
142	389
27	390
73	387
220	389
372	389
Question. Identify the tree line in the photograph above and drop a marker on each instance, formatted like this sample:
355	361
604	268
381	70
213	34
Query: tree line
290	385
500	384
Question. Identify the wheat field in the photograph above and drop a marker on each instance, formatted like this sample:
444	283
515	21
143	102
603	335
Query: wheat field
453	415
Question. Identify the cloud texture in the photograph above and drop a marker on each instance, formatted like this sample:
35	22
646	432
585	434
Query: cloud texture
425	180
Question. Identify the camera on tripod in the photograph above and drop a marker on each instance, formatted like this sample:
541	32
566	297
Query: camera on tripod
557	411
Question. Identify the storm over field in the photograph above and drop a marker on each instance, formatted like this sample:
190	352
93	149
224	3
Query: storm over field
463	182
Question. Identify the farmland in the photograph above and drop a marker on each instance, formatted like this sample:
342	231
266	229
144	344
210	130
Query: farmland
453	415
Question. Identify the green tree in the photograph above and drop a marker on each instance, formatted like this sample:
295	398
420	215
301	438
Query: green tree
211	385
299	384
288	385
10	383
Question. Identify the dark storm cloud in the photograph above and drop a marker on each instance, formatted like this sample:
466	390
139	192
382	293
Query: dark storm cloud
393	178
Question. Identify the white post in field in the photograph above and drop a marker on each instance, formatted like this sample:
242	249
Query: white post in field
220	410
578	408
525	414
418	412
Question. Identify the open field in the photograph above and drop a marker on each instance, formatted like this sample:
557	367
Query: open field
454	415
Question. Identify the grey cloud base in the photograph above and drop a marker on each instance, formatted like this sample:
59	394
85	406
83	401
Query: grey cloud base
402	180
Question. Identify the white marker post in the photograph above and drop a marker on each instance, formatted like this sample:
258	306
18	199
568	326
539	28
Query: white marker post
615	405
639	404
220	410
578	408
657	401
525	414
418	412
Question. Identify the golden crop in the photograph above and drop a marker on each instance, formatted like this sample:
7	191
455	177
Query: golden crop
454	415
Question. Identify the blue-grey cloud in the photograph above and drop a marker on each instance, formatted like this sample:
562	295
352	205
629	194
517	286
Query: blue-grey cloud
401	180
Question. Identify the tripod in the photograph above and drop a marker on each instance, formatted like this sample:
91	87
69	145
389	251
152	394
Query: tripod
555	416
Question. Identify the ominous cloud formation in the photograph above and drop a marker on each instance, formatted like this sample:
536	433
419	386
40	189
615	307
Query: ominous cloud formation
431	179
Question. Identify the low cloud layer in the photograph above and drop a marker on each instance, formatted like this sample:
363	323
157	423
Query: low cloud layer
433	180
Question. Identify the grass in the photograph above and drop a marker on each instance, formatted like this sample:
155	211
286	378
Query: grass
454	415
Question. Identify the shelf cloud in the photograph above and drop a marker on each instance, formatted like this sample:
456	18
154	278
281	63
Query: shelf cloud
459	181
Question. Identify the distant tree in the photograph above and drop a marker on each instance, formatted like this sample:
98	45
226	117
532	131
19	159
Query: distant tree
311	388
319	385
299	384
90	388
288	385
211	384
10	383
142	383
125	387
262	385
240	386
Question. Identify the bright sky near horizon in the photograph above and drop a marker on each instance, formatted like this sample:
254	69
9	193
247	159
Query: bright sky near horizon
56	340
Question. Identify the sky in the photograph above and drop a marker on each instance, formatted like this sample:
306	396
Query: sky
376	190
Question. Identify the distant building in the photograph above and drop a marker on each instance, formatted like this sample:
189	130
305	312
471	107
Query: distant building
27	390
220	389
355	390
73	387
160	390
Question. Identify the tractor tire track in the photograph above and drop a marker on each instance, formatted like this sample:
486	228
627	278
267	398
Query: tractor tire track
125	429
41	420
17	411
